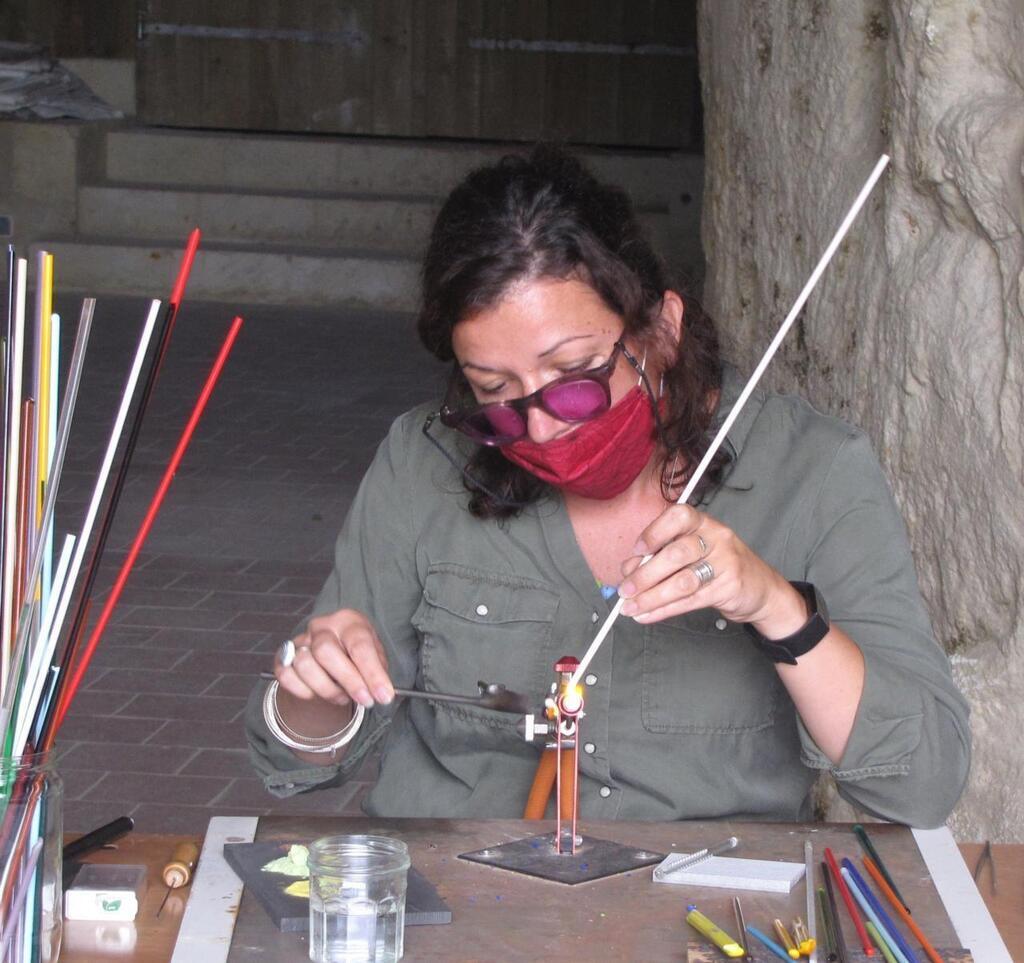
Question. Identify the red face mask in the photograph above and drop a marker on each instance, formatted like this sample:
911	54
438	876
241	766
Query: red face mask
601	458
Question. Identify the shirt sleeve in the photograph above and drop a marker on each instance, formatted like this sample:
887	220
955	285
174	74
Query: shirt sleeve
375	573
908	754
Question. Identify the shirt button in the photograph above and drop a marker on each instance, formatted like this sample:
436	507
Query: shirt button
721	625
594	617
590	678
589	747
604	792
482	610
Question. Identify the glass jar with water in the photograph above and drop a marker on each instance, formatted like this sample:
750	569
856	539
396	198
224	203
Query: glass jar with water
357	899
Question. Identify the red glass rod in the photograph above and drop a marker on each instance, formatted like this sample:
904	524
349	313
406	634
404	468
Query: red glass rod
82	663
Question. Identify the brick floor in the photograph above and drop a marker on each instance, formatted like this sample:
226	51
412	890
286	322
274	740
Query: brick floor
242	545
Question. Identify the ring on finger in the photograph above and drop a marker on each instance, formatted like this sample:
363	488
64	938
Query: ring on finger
287	651
702	545
704	572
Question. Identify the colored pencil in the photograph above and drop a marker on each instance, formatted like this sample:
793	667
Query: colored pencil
865	842
851	907
82	665
901	909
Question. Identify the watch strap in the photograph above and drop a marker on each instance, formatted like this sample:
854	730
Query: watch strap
790	648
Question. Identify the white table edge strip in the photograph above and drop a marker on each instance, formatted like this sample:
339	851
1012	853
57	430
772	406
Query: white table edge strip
967	910
209	919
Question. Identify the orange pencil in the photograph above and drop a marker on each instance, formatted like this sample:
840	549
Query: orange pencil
897	904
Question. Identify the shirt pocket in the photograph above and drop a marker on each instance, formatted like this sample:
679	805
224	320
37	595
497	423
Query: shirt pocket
702	675
484	626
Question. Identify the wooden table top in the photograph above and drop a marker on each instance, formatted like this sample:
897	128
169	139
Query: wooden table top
1004	899
146	939
473	892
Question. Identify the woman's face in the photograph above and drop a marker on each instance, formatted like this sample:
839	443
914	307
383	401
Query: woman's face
541	330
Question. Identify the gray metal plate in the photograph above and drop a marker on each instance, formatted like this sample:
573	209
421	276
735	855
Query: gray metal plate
536	856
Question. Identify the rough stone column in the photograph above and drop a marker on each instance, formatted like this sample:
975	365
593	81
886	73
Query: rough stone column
916	333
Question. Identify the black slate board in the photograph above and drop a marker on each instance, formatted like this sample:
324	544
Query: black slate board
290	914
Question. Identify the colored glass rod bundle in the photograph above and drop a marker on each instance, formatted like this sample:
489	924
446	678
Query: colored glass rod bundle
42	658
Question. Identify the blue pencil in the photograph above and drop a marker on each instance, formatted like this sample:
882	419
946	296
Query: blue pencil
879	912
859	896
769	942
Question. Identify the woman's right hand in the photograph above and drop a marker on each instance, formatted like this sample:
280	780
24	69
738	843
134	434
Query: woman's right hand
338	659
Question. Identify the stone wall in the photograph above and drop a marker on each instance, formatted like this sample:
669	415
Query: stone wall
916	333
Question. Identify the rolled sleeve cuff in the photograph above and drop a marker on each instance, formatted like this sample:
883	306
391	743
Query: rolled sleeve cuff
886	729
283	773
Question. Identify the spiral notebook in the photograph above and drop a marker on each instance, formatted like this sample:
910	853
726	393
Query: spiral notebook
733	872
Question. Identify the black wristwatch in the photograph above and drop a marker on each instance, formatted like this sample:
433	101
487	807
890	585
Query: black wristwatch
804	639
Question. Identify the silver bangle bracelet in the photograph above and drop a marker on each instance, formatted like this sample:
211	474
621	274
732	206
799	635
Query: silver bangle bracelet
287	736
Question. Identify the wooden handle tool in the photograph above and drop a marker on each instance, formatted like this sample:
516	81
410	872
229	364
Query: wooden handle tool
177	872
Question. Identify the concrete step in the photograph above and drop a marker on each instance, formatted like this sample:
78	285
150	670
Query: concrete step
393	225
358	165
235	274
396	226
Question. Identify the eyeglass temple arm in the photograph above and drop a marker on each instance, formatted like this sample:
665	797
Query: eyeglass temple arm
475	482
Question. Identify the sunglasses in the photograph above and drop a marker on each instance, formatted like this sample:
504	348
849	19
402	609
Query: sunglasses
573	398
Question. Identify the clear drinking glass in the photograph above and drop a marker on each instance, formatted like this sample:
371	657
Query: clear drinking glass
31	841
357	899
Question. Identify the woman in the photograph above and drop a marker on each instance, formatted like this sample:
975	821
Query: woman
777	629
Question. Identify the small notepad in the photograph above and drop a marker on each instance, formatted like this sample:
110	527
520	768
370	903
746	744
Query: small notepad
732	872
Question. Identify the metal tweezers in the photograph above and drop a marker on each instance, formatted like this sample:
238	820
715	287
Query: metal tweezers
986	857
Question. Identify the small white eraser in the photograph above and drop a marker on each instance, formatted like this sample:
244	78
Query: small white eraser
105	892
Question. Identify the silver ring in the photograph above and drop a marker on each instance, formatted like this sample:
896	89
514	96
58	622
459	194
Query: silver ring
286	653
704	572
702	545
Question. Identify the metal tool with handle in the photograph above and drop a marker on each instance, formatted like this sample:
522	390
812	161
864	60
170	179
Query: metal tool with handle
492	696
177	872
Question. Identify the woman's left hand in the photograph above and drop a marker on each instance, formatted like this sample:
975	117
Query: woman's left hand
742	586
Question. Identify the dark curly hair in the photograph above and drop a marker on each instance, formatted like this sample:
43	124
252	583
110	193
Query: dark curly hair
547	216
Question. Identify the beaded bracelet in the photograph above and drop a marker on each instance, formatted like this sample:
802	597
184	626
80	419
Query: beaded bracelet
284	734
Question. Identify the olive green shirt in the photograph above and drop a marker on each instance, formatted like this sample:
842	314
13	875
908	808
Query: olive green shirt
685	719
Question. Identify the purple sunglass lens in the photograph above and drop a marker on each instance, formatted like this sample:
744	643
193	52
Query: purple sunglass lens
496	424
576	400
